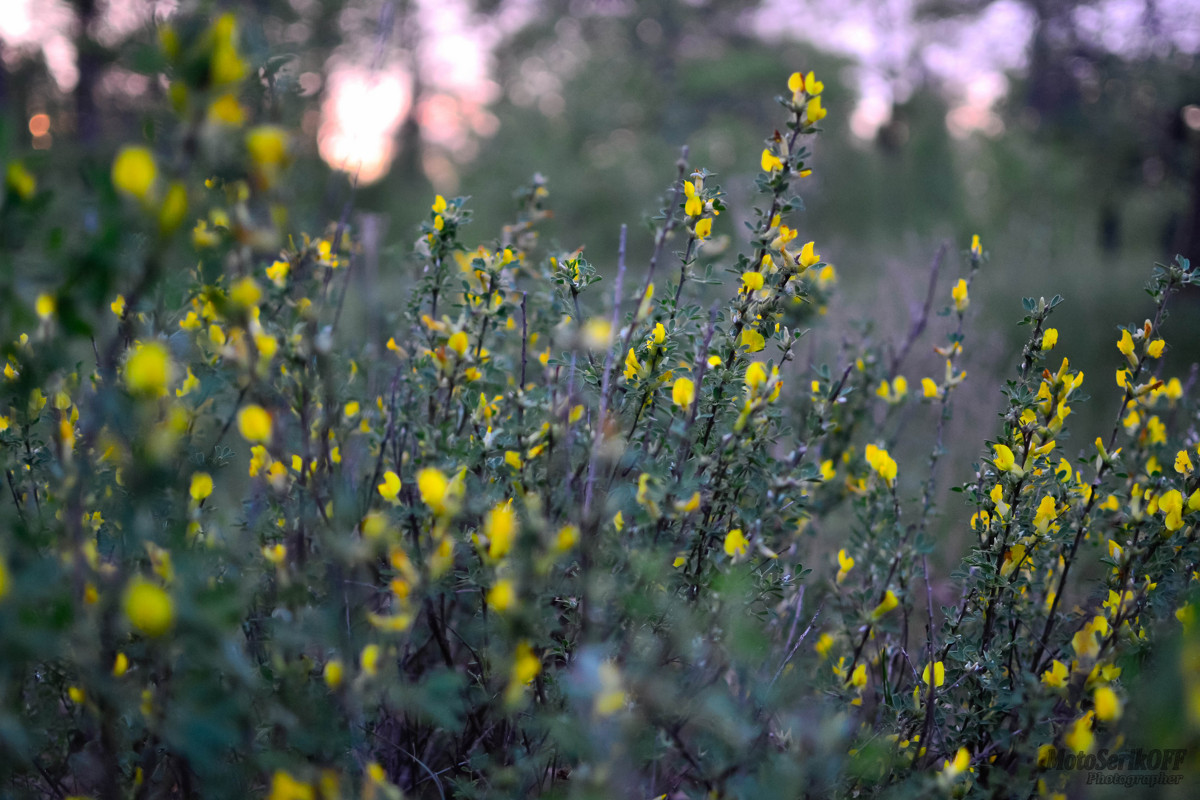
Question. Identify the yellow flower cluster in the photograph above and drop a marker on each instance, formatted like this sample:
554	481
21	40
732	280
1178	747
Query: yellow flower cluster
882	463
699	207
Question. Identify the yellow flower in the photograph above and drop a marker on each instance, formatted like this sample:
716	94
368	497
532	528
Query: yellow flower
752	281
174	208
959	293
120	665
20	180
333	673
858	678
567	537
226	66
434	488
1156	430
5	580
752	340
888	603
376	773
502	596
704	228
1086	643
1183	463
267	145
694	206
1170	503
45	306
278	273
245	292
1186	614
500	527
226	110
962	760
882	463
118	306
254	423
260	459
203	236
285	787
191	322
597	333
1080	737
770	161
134	172
1108	705
736	543
632	365
149	607
190	384
796	86
939	674
458	342
1004	459
689	505
390	487
526	664
756	376
1049	338
1056	676
928	387
202	486
807	257
1047	512
1125	345
683	393
845	564
148	370
823	645
814	111
370	659
976	247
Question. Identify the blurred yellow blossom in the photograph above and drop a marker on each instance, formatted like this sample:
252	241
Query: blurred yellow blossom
254	424
134	172
148	607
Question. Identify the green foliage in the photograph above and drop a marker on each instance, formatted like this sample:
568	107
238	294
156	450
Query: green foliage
537	535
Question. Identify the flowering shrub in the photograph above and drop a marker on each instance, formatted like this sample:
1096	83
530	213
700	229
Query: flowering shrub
542	538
